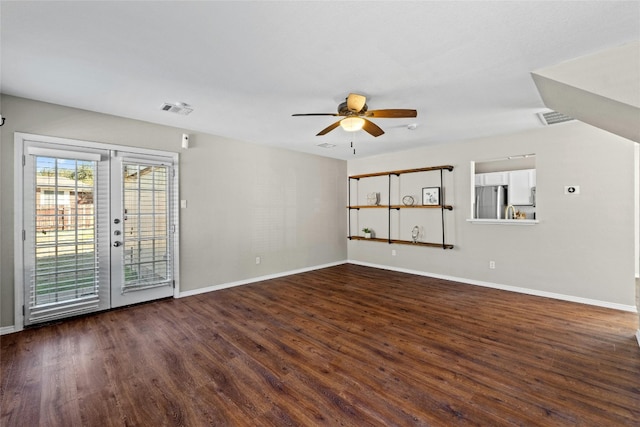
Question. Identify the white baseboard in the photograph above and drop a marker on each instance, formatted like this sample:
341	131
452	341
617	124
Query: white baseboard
256	279
7	330
535	292
638	336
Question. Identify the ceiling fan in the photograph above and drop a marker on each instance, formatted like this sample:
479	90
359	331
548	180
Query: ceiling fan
355	112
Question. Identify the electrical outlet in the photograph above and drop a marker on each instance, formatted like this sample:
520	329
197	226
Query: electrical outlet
257	260
393	252
492	265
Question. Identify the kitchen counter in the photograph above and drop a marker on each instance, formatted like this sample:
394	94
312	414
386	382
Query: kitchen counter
505	221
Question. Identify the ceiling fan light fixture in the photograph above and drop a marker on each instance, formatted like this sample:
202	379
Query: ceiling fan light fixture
356	102
352	124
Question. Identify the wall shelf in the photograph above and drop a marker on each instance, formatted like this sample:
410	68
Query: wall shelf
447	207
398	207
402	242
402	171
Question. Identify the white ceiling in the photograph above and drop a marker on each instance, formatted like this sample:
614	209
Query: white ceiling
246	67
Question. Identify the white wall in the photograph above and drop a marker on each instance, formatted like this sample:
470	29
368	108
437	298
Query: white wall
243	200
583	246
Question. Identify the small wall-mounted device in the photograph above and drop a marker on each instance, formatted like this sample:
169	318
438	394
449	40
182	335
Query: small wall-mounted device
571	189
185	140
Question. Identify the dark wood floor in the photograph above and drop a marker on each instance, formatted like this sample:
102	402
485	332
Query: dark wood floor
347	345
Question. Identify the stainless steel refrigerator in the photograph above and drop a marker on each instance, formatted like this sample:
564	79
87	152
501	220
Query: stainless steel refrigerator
491	202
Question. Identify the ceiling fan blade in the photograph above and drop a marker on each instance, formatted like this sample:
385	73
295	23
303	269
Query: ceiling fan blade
315	114
328	128
391	114
356	102
371	128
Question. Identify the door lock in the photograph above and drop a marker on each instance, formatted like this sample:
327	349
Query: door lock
116	244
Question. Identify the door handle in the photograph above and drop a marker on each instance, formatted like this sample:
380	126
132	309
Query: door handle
116	244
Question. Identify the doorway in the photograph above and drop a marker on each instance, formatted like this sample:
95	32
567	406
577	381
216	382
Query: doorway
97	224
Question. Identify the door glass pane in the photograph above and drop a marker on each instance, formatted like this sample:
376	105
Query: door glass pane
65	256
146	209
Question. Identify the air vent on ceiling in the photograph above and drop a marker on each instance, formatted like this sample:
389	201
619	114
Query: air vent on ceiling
177	108
553	117
326	145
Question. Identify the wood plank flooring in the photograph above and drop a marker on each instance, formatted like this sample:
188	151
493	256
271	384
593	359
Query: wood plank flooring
343	346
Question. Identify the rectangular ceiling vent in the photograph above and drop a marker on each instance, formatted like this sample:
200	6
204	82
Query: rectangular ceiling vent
326	145
553	117
177	108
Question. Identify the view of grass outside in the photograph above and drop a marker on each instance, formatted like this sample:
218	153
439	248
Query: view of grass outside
65	277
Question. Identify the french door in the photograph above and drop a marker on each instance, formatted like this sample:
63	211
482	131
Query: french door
141	255
98	228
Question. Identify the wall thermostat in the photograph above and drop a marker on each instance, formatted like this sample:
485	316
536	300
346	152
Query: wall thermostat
571	189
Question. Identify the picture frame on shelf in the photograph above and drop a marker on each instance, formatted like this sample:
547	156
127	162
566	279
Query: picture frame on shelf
431	196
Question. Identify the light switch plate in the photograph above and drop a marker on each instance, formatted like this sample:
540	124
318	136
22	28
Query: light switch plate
183	204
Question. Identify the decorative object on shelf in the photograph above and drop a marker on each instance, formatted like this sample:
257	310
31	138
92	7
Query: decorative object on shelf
373	199
511	209
431	196
367	232
415	232
408	200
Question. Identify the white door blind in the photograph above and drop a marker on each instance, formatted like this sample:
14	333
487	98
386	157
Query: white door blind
146	201
64	276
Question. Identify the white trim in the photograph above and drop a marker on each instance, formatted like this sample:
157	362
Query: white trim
175	214
472	186
638	337
535	292
7	330
70	142
256	279
18	227
636	219
144	161
57	153
504	221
